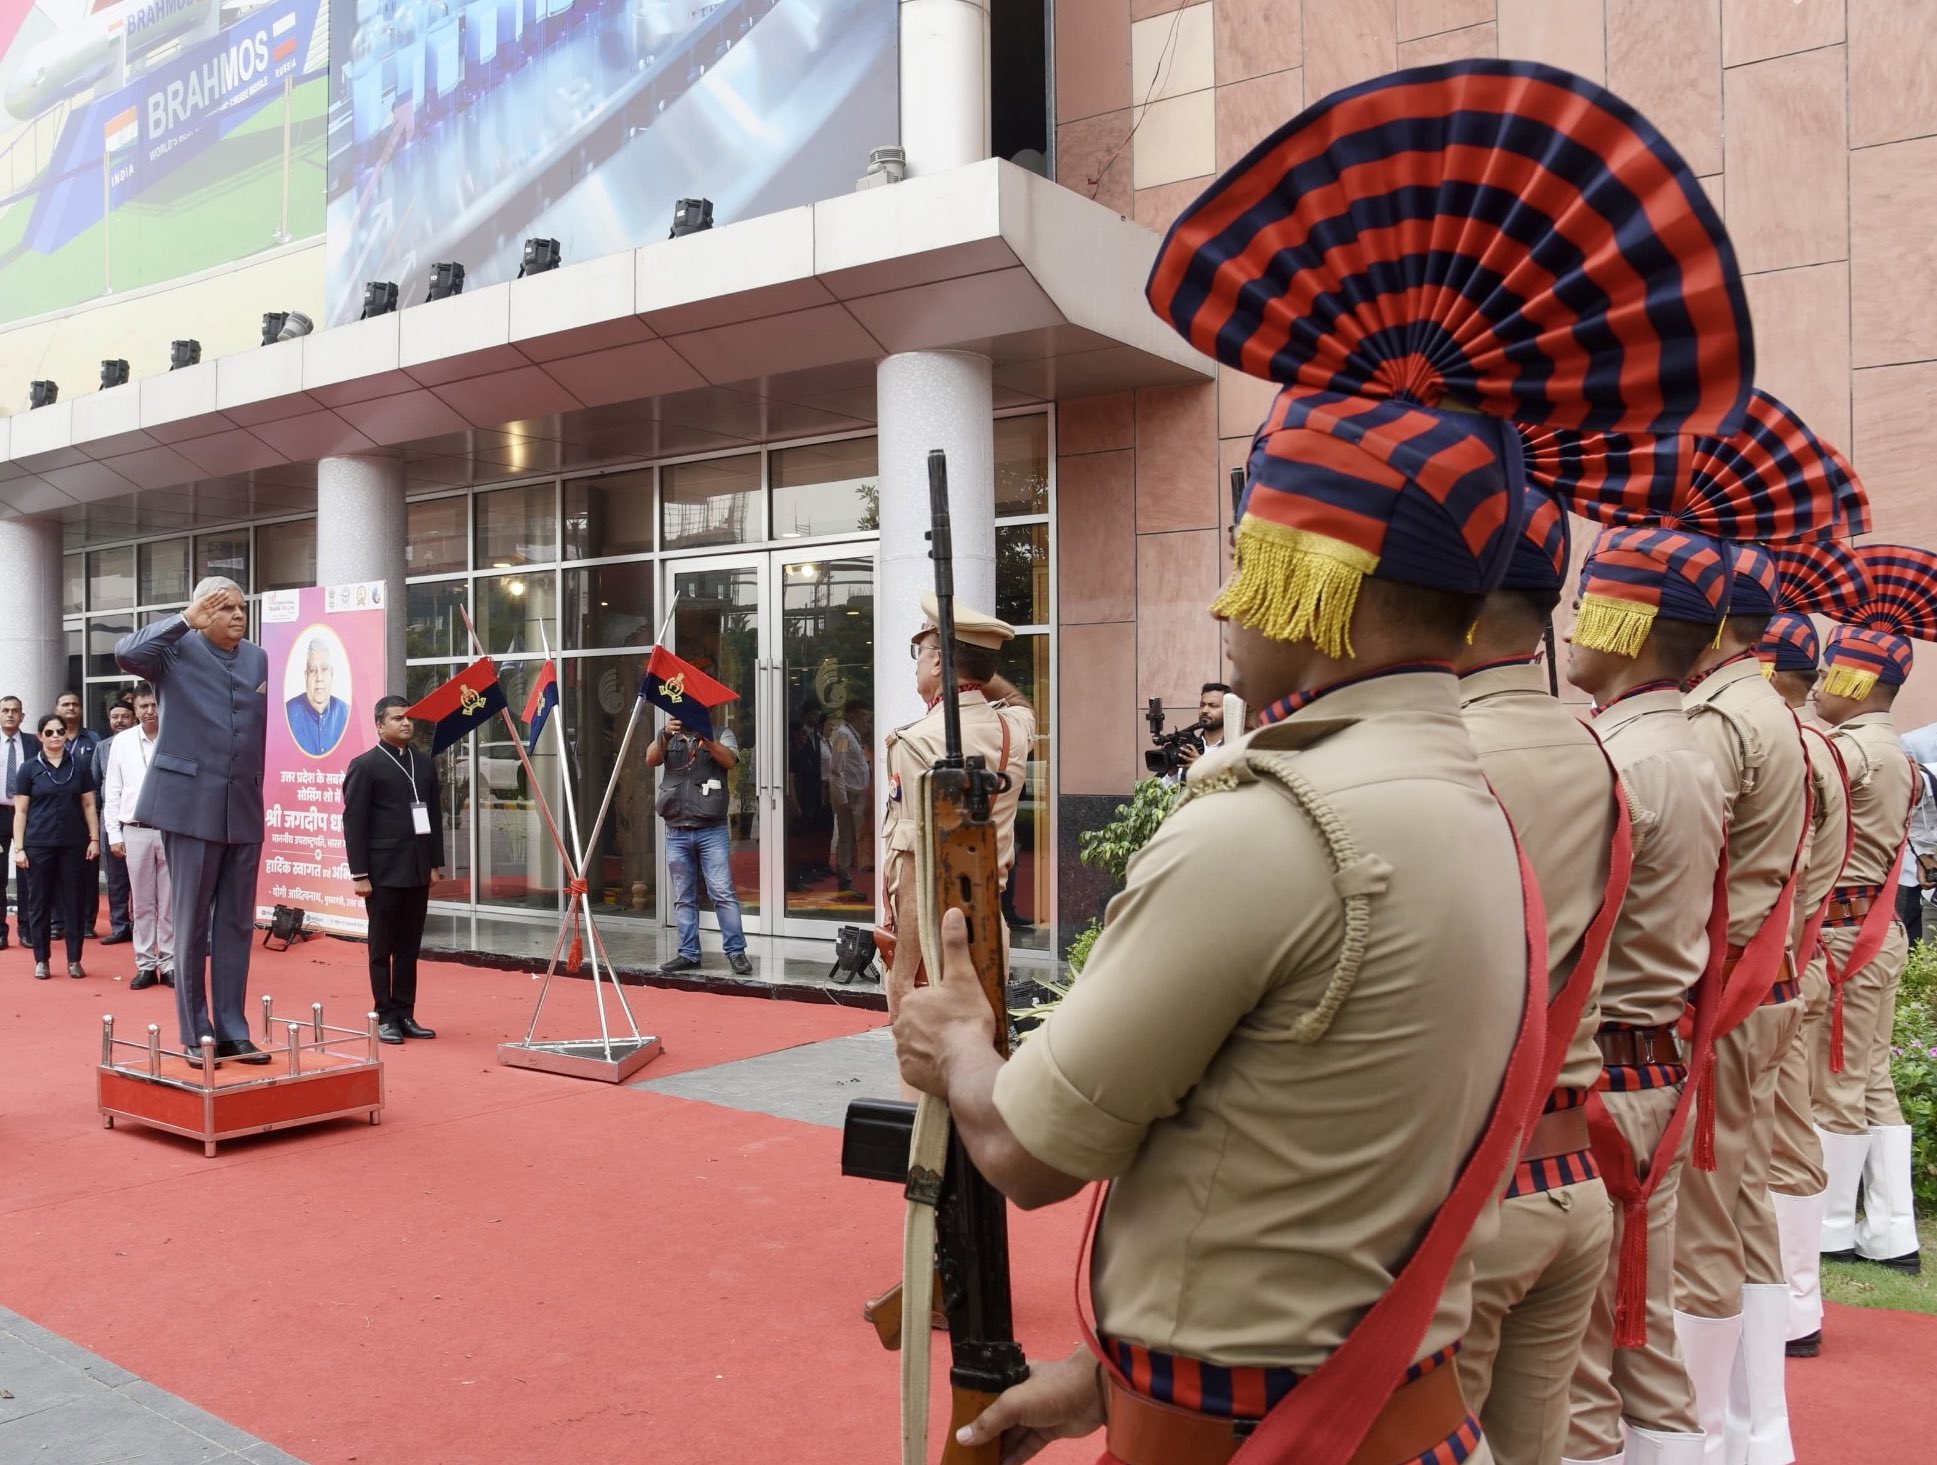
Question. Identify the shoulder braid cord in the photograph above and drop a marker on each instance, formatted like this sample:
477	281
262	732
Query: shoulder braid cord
1356	877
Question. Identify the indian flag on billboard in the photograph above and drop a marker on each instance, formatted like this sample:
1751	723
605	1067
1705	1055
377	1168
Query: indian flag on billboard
123	130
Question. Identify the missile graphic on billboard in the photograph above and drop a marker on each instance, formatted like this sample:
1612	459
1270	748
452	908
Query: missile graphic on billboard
90	49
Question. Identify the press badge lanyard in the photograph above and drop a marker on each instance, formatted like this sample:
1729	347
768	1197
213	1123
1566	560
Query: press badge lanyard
419	813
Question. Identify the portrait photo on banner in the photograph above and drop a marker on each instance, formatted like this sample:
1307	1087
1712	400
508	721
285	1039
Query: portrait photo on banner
318	690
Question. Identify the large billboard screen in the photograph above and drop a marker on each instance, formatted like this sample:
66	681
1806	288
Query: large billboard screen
459	128
144	140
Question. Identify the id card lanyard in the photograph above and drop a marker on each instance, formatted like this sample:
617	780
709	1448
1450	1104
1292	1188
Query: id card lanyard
419	811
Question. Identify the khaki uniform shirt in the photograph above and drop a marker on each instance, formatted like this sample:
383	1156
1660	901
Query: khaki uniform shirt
1879	775
1002	733
1265	1189
1660	944
1550	773
1829	829
1750	733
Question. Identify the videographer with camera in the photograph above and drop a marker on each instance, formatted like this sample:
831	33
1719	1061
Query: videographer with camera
1176	751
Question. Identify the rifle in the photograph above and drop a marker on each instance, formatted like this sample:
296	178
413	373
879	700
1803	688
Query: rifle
958	1225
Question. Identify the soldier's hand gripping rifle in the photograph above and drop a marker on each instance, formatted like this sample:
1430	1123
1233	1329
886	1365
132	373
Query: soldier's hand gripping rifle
957	1225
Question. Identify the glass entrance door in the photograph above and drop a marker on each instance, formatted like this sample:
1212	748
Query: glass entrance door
793	633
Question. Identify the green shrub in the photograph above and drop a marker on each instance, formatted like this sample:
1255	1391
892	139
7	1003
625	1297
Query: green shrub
1110	848
1913	1066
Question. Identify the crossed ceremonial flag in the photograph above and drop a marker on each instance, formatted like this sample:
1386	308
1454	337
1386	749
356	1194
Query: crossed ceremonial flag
542	703
682	690
463	704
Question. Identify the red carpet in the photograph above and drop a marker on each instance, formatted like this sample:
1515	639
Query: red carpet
516	1267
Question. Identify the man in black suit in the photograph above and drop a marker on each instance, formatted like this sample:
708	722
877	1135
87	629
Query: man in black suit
16	748
393	832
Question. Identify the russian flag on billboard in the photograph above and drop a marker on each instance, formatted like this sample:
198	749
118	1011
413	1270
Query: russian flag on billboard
682	690
463	704
284	24
541	704
122	130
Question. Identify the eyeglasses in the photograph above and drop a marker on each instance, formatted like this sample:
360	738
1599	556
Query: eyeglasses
916	649
57	732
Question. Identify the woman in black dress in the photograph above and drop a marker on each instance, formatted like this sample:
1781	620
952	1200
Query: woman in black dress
55	834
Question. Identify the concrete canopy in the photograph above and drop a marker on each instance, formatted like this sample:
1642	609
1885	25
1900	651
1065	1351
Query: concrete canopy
753	332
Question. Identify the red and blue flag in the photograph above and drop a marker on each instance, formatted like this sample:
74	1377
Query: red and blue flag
463	704
541	704
682	690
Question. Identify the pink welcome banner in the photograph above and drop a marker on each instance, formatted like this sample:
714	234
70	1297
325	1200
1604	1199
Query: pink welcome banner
326	671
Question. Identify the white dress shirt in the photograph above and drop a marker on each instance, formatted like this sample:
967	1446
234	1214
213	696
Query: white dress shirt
129	754
26	748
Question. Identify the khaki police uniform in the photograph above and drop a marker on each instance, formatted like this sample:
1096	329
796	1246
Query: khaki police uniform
1265	1189
1796	1162
1535	1282
1659	949
1001	733
1725	1230
1862	1095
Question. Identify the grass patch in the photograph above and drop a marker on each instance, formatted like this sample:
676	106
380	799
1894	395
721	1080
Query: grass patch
1864	1284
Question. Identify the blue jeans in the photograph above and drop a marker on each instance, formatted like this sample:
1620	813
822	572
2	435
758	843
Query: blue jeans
690	854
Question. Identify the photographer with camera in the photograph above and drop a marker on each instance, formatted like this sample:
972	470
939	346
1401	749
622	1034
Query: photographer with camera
1176	751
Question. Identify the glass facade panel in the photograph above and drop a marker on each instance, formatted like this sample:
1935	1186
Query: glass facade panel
514	612
716	627
73	568
608	515
433	619
437	533
76	639
516	526
1021	465
102	633
825	488
226	553
1027	903
714	502
164	571
111	578
609	605
1022	574
596	696
285	556
517	863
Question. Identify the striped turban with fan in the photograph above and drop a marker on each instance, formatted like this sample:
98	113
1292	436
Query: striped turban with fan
1873	644
1814	577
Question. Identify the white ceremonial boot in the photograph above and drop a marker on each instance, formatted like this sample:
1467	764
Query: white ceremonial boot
1799	1223
1888	1230
1708	1349
1758	1425
1843	1157
1657	1447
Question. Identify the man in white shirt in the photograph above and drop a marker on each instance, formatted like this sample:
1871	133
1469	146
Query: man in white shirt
16	748
150	898
1921	745
852	772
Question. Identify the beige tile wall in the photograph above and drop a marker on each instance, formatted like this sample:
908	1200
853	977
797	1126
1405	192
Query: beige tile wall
1813	127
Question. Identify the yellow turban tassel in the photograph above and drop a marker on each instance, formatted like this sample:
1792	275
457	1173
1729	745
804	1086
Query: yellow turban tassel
1854	682
1293	585
1607	623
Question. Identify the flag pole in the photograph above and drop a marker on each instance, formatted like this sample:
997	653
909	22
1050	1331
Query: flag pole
625	743
531	774
564	756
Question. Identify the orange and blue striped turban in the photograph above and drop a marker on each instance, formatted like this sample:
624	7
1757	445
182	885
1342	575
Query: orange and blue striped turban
1874	643
1773	479
1813	577
1416	260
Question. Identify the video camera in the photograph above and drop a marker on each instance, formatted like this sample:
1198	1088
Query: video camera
1167	757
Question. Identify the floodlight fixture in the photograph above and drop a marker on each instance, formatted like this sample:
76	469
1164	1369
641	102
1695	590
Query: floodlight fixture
691	216
42	394
284	325
184	353
379	298
114	374
540	255
446	278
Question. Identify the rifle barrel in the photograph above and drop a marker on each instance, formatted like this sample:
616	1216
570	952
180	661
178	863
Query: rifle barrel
941	549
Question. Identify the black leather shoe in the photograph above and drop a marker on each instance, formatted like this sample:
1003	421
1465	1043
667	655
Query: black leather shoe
679	964
414	1029
1910	1261
1847	1254
41	973
1807	1346
143	981
741	966
115	938
242	1051
168	979
194	1056
389	1032
74	970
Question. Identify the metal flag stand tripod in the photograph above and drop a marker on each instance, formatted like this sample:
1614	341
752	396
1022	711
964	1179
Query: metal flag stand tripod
607	1058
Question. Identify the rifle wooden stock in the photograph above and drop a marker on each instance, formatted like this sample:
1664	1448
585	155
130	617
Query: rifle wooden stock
966	1405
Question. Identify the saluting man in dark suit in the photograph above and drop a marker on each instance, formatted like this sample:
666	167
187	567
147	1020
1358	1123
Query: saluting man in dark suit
393	833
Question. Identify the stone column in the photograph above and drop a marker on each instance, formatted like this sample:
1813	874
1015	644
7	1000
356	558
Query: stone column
360	536
33	645
944	84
